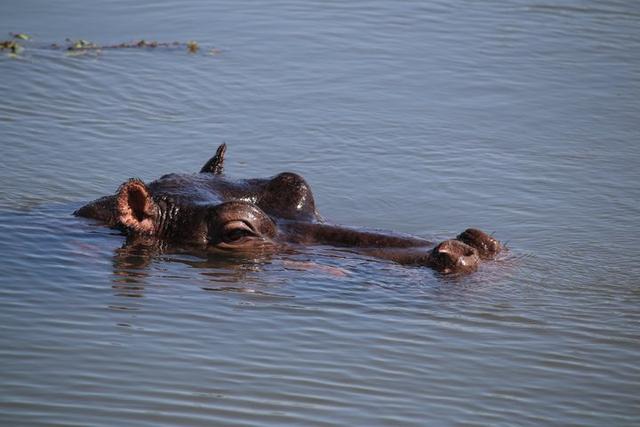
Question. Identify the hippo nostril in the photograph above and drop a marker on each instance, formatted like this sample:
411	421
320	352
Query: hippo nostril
442	250
453	256
443	254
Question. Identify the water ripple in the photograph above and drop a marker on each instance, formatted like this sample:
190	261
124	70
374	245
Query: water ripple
426	118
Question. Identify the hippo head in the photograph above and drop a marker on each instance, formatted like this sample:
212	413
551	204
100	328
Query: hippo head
228	224
208	211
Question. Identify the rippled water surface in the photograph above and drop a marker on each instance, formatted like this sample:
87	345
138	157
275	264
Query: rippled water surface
518	117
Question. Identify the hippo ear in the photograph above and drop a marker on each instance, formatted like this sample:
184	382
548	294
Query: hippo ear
135	207
215	165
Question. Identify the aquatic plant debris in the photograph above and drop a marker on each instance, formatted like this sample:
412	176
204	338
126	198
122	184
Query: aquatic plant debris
77	47
84	45
21	36
12	46
192	46
81	44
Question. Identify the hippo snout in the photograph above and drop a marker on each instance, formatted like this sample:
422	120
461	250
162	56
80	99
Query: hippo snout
487	246
210	211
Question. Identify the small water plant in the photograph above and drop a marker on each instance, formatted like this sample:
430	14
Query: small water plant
78	47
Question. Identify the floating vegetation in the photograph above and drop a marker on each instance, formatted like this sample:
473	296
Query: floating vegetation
12	46
192	46
84	45
80	47
81	44
21	36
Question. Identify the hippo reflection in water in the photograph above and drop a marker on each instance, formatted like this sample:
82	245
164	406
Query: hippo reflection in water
207	211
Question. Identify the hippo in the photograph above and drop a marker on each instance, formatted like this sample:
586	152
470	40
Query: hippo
206	211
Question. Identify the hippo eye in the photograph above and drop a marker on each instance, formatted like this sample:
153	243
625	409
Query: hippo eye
236	231
236	234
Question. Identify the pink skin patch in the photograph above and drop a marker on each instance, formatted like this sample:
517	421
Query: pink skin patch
135	206
308	265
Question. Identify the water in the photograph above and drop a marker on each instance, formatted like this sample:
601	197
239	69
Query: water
517	117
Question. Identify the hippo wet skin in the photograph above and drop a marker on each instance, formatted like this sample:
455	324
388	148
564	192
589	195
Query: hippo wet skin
208	211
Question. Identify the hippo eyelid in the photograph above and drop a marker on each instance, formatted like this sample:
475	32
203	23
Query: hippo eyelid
236	233
238	225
